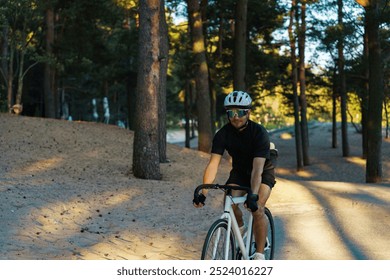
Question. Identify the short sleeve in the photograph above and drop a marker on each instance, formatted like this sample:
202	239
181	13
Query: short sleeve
219	142
261	143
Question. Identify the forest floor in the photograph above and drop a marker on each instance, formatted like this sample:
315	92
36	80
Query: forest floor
67	192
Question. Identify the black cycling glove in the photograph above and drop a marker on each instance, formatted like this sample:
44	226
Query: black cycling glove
251	202
200	198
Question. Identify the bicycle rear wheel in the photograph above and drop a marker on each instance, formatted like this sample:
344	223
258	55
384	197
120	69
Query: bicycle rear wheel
270	239
215	242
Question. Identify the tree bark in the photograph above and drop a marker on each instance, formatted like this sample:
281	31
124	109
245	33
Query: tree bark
374	122
162	108
294	80
239	65
48	79
365	93
201	73
334	111
187	108
146	160
4	53
375	91
342	85
10	79
19	91
302	84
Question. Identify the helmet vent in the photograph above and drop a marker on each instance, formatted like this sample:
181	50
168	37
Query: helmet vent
238	99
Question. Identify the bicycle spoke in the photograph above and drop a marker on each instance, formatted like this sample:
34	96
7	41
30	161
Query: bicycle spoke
215	243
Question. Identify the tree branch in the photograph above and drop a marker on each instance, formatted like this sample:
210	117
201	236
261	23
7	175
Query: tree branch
31	66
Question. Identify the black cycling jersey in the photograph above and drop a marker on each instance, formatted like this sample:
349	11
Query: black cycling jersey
243	146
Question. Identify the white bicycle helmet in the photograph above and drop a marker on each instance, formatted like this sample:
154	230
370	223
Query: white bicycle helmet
238	99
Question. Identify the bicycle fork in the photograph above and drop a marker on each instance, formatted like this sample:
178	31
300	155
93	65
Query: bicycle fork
233	225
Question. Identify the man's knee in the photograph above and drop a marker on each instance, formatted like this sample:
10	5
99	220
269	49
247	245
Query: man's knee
259	213
264	194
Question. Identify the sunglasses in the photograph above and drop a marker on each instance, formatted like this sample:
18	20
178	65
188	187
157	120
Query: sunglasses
239	112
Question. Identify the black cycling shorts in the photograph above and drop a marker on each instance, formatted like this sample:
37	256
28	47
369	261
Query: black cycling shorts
268	178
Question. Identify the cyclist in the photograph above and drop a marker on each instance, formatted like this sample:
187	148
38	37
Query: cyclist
248	144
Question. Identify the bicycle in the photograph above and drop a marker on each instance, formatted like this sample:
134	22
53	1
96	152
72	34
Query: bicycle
223	240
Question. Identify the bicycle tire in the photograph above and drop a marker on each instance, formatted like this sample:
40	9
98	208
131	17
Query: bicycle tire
270	242
270	245
214	244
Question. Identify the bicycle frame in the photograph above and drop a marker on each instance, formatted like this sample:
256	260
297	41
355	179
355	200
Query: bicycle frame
233	225
230	224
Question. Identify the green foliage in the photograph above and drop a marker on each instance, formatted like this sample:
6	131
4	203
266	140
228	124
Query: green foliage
95	54
96	50
263	59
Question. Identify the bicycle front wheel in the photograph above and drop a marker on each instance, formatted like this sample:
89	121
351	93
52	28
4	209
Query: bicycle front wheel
215	242
270	241
270	238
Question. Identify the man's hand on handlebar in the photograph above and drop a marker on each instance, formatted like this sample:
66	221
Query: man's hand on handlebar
199	200
251	202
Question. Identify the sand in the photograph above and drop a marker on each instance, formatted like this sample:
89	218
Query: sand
67	192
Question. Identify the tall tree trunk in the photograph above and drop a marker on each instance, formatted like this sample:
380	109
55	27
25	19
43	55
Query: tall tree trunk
19	91
294	80
365	91
10	80
213	94
201	73
374	122
7	62
4	53
146	160
162	108
239	65
342	86
302	84
187	108
375	93
48	79
334	111
192	98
